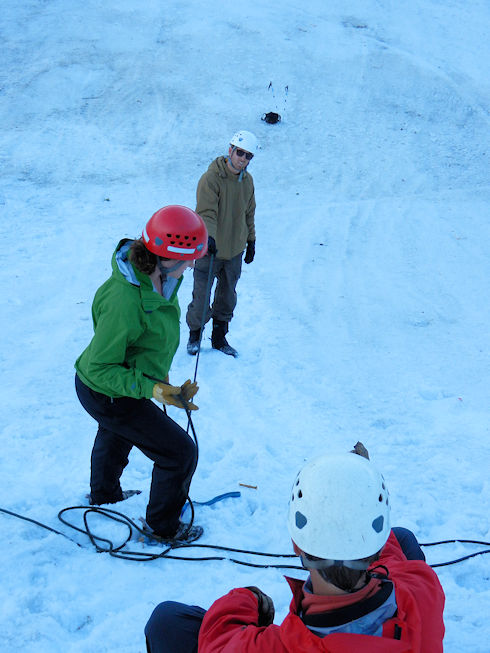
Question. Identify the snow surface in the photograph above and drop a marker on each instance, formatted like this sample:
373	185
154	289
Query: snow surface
364	316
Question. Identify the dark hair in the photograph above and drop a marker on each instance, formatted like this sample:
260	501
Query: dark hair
341	576
142	259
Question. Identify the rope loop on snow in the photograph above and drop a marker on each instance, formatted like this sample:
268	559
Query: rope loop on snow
143	556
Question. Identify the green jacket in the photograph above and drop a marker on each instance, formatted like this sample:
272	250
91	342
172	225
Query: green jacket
136	334
227	206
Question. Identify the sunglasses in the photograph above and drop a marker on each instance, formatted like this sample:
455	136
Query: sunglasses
248	155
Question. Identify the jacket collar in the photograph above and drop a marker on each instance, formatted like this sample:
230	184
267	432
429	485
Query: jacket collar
224	172
124	272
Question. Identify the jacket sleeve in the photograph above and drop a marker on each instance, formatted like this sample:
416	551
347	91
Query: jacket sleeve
419	596
207	196
104	366
230	625
250	216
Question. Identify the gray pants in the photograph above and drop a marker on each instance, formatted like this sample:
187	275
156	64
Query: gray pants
227	274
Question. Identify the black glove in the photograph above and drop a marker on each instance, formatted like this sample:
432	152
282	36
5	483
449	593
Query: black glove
250	253
266	607
212	246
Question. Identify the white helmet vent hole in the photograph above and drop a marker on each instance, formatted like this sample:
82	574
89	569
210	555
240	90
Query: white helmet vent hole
300	519
378	524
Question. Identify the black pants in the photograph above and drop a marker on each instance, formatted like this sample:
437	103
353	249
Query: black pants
174	627
127	422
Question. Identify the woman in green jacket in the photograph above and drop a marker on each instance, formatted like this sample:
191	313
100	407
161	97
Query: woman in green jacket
136	318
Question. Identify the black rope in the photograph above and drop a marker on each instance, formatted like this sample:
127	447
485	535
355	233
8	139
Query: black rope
37	523
117	552
188	479
204	310
191	473
466	557
143	556
190	424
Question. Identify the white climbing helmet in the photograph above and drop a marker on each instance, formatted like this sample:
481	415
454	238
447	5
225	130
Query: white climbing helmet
339	508
245	140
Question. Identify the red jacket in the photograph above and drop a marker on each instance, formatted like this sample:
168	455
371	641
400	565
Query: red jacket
229	626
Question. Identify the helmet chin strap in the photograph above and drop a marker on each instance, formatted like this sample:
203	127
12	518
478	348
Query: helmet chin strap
165	271
168	283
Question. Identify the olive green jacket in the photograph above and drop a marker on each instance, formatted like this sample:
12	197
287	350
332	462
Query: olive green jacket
226	203
136	334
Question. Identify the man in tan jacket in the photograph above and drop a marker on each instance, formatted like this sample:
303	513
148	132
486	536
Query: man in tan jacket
226	202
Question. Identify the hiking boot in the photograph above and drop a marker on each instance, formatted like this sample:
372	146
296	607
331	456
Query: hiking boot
185	534
218	339
98	500
193	344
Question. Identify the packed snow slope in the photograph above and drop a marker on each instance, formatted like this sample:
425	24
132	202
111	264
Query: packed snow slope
365	315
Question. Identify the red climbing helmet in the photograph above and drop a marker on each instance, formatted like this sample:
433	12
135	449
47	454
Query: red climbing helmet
176	232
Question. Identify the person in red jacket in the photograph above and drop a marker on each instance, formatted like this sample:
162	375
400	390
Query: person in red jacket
369	588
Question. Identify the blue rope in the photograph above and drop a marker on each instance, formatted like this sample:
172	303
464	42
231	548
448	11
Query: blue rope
219	497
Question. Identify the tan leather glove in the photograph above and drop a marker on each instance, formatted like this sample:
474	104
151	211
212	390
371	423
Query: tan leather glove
189	390
174	395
